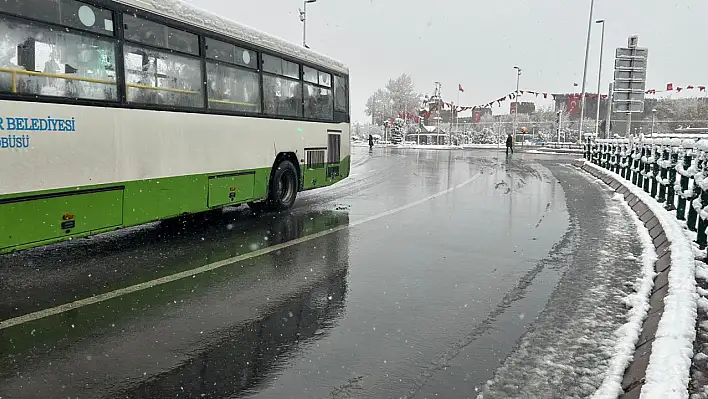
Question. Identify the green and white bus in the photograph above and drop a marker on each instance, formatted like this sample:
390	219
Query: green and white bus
119	113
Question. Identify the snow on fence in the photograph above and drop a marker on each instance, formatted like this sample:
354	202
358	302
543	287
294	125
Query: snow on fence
674	172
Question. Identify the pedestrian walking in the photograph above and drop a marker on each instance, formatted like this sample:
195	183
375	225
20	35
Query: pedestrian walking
371	141
509	144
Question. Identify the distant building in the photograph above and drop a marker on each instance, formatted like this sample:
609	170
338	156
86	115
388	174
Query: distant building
525	108
570	103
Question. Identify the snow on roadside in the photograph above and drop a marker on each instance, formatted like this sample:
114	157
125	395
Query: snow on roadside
628	334
667	375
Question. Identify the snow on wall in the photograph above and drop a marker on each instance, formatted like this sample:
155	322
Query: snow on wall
667	375
628	334
187	13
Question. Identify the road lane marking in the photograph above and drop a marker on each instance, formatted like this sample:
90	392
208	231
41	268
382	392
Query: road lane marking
215	265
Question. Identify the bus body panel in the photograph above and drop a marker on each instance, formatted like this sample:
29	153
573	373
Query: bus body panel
112	145
166	164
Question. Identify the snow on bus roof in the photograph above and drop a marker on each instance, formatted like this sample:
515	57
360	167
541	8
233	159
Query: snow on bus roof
187	13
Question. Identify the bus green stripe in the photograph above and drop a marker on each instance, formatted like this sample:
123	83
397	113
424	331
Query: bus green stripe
41	221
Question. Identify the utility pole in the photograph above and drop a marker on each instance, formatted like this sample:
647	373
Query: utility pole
599	79
516	102
585	71
303	19
609	110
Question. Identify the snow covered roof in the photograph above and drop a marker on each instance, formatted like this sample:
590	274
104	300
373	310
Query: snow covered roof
189	14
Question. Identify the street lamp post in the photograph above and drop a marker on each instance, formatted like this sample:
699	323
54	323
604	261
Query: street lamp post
303	19
516	105
585	72
599	78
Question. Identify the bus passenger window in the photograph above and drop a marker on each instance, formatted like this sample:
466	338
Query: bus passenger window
318	102
158	35
157	77
282	96
341	94
280	66
51	62
233	89
71	13
225	52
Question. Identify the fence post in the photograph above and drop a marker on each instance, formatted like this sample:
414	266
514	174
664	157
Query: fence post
618	156
647	159
682	187
639	173
635	162
662	178
696	172
701	181
671	187
654	173
626	158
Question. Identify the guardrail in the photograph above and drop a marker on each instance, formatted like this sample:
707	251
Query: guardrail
674	171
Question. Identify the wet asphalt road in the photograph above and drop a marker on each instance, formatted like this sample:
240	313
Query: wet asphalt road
420	263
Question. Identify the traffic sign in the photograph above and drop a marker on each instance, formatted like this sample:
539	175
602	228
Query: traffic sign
626	95
631	63
634	85
632	75
623	52
628	106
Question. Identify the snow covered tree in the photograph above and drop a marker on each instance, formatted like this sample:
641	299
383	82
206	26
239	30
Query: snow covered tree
397	131
379	106
402	93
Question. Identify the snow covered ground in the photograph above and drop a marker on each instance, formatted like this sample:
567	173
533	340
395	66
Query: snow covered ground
672	356
586	335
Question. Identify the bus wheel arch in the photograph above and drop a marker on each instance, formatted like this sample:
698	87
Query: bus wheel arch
284	182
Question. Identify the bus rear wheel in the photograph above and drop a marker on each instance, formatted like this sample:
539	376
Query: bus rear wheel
283	187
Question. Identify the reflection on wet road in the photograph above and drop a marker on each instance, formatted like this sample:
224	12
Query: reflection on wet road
366	289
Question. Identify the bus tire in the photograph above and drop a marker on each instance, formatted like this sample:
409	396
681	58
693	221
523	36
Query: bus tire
283	187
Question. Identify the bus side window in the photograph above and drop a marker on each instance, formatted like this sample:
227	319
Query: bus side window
318	102
158	35
282	96
39	60
341	94
232	88
163	78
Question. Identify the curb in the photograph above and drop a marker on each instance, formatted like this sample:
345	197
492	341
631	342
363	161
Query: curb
635	372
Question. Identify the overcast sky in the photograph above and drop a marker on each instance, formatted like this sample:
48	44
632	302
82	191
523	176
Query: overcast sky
477	43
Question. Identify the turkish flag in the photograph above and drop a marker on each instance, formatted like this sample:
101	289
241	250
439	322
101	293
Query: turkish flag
477	116
669	86
573	103
460	88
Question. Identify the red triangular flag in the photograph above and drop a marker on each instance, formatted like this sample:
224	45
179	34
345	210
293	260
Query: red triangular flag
460	88
689	87
545	95
702	88
678	89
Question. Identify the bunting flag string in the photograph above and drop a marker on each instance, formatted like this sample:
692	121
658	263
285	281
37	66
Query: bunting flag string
678	89
513	95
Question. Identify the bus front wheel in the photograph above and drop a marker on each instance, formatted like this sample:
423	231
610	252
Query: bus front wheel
283	187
